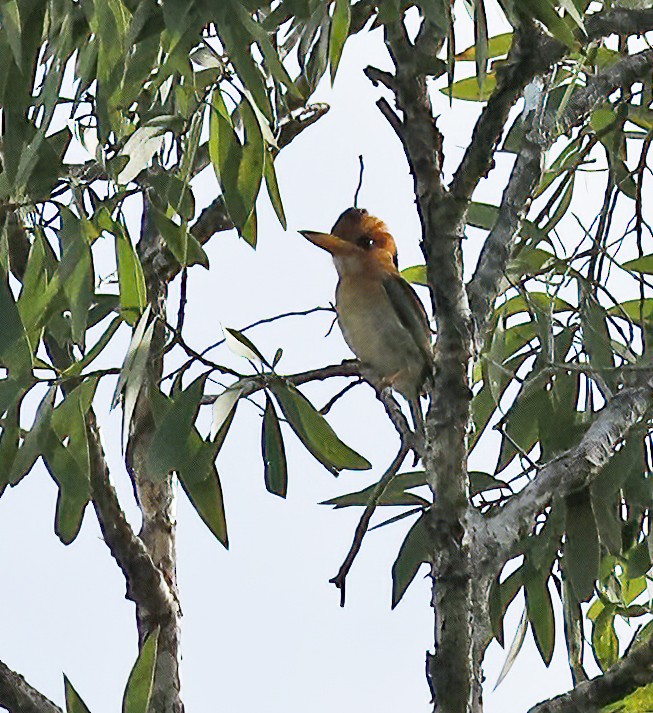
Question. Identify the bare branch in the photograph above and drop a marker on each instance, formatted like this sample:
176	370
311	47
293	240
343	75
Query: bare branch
619	21
567	473
146	586
17	696
363	524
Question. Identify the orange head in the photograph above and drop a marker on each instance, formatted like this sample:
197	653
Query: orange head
358	235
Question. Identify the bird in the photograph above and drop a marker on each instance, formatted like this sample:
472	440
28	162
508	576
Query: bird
381	318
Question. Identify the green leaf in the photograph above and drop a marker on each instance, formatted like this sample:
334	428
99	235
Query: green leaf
238	166
133	292
521	422
41	295
639	701
69	464
638	561
76	271
274	453
605	643
481	40
15	351
314	431
394	494
74	704
196	464
581	551
171	447
480	482
501	597
415	274
273	188
539	608
77	367
596	335
642	265
270	53
181	243
469	89
205	494
414	551
497	46
338	33
545	12
141	679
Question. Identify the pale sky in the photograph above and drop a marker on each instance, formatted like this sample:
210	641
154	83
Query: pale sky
262	629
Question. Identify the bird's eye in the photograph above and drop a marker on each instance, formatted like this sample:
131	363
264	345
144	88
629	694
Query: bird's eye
365	241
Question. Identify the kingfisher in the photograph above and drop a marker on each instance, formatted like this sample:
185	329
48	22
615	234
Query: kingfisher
380	315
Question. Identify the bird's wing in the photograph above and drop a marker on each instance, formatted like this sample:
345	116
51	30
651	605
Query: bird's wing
411	312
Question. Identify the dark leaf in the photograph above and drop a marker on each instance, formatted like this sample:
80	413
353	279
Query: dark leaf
539	608
314	431
274	453
581	552
414	551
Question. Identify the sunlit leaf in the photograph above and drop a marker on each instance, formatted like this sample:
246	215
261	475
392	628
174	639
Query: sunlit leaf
469	88
338	33
497	46
141	679
605	643
415	274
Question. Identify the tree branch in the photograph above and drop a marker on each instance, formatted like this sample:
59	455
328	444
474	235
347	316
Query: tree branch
363	524
628	674
542	129
17	696
619	21
146	586
525	61
569	472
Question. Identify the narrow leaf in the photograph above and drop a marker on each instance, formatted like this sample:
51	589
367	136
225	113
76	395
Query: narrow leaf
414	551
274	453
338	34
141	679
74	704
540	613
239	344
581	552
514	649
315	432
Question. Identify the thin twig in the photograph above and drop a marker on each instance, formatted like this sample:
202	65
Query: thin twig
269	320
360	180
331	402
183	299
340	579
